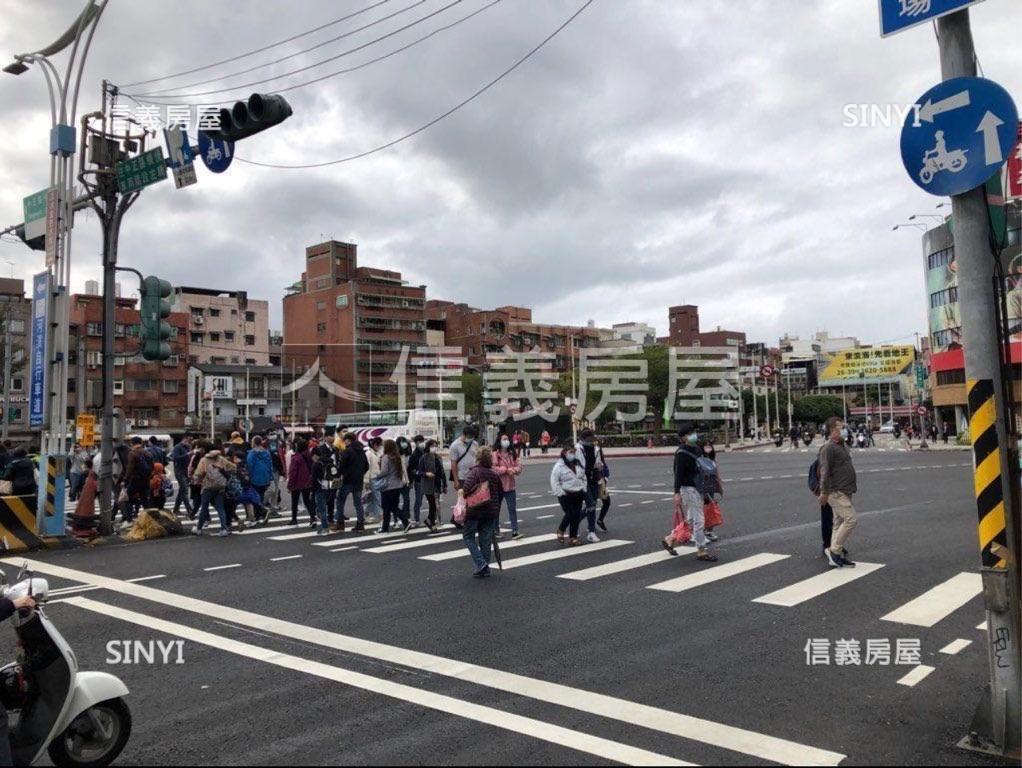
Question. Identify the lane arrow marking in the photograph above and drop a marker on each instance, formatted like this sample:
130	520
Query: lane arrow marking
930	110
991	144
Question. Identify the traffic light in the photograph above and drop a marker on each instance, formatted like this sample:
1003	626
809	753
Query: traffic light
247	118
154	329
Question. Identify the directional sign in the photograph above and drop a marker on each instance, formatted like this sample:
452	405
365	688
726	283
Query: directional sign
141	171
216	153
179	150
52	225
964	132
34	207
899	15
39	365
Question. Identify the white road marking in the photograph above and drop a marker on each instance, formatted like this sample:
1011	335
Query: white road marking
982	625
542	506
92	587
311	534
361	539
654	493
622	506
939	602
289	557
955	646
545	517
454	554
223	567
916	676
449	538
566	551
629	564
343	549
709	575
648	501
815	586
637	485
554	734
757	745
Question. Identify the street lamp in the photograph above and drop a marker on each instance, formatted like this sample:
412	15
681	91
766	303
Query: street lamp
926	215
63	142
899	226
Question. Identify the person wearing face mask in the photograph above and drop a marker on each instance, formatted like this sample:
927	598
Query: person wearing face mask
404	448
413	473
837	486
568	482
508	467
591	459
710	452
372	500
687	498
434	481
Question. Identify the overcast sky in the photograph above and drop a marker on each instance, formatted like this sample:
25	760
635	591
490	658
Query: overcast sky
654	153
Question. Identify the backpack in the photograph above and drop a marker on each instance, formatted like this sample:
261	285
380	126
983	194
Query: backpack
814	477
706	476
144	464
215	479
233	489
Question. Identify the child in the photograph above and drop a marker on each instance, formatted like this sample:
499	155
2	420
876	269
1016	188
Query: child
158	490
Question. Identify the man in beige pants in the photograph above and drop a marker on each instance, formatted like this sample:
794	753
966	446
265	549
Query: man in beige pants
837	486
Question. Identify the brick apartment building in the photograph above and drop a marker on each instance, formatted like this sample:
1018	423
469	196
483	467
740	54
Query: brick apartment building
356	321
15	316
684	330
224	327
151	395
479	332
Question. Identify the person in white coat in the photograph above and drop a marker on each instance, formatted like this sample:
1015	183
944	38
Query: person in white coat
568	483
372	500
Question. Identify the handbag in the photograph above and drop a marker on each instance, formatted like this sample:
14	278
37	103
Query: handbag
682	533
604	493
379	484
480	496
6	488
712	513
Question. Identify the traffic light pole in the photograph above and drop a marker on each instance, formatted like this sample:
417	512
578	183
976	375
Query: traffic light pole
996	725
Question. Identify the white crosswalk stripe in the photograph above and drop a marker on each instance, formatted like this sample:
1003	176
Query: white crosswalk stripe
557	554
938	603
387	548
818	585
717	573
363	538
455	554
619	566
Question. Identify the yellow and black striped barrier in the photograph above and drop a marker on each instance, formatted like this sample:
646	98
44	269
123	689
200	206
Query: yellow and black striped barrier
18	524
50	504
993	537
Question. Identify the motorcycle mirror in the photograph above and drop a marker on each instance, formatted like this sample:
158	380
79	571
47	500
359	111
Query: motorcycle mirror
21	572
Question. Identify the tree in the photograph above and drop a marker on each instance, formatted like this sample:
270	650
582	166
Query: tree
816	409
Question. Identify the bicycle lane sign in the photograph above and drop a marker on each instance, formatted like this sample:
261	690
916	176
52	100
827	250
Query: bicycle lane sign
959	135
216	154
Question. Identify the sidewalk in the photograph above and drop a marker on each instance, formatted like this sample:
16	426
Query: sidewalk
645	453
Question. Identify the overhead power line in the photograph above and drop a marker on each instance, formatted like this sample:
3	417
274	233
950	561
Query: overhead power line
436	119
363	65
167	92
258	50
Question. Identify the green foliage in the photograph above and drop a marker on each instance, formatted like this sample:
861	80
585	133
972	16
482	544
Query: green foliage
816	409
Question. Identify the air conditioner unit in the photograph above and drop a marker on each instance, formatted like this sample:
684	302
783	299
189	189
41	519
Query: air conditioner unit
199	320
142	423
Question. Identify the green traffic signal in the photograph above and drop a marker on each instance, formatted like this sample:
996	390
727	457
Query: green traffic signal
154	330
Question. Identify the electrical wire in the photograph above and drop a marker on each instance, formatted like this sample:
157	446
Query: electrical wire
258	50
435	120
168	92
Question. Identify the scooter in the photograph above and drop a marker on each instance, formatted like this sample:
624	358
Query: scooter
953	161
778	440
79	718
807	438
860	439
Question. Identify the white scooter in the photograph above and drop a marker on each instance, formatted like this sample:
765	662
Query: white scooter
80	718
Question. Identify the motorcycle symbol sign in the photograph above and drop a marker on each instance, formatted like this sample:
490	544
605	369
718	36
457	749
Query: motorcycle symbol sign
959	135
216	153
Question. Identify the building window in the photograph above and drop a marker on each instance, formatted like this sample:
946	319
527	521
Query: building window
214	313
945	378
229	336
94	329
320	306
94	359
218	360
214	337
197	338
234	361
250	317
143	385
196	311
943	339
119	387
249	340
172	362
16	326
342	301
14	415
170	386
947	296
321	327
250	361
17	384
941	258
193	359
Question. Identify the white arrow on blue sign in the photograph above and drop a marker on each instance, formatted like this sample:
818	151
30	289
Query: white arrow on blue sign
216	153
899	15
959	136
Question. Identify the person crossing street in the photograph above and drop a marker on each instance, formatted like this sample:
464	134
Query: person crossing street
837	486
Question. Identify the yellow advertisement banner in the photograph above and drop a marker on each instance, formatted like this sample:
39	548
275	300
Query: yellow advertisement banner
867	363
86	428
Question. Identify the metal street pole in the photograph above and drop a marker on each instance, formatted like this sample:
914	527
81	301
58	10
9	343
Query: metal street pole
844	405
996	725
767	403
755	411
7	376
248	403
741	412
777	400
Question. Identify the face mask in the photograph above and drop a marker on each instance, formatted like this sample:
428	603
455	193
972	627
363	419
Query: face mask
431	449
569	457
844	432
693	438
418	444
505	444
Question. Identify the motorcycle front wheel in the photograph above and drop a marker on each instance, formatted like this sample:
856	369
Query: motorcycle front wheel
95	738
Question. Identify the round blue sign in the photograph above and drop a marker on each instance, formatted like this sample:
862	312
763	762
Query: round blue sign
216	153
959	135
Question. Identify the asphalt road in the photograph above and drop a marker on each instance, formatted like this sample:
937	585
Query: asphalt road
363	652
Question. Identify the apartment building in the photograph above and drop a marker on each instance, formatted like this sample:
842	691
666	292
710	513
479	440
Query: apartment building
15	318
224	327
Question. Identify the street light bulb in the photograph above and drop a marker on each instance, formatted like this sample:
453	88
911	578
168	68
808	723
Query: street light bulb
16	68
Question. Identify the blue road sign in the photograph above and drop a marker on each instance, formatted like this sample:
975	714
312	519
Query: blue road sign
39	365
899	15
959	135
216	154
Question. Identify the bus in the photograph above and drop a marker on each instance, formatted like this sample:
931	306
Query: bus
389	425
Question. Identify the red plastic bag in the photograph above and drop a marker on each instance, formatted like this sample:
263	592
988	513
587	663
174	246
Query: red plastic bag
712	514
682	533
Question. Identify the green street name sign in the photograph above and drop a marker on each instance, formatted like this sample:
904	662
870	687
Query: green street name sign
35	214
141	171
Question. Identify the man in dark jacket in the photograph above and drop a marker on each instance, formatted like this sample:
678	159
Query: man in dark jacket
353	466
180	456
413	474
137	474
21	474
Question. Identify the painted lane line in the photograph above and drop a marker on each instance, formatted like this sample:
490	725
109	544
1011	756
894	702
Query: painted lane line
637	485
538	729
622	506
93	587
449	538
628	564
542	506
289	557
455	554
648	501
363	538
939	602
223	567
982	625
311	534
557	554
815	586
952	648
654	493
344	549
591	703
709	575
545	517
913	678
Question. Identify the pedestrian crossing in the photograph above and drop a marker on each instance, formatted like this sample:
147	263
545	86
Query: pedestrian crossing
815	586
710	575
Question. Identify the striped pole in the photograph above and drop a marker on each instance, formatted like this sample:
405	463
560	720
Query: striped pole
993	535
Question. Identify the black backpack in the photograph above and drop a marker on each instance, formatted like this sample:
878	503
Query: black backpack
145	464
814	477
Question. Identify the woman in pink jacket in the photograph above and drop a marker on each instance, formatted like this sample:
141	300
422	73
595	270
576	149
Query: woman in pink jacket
508	467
